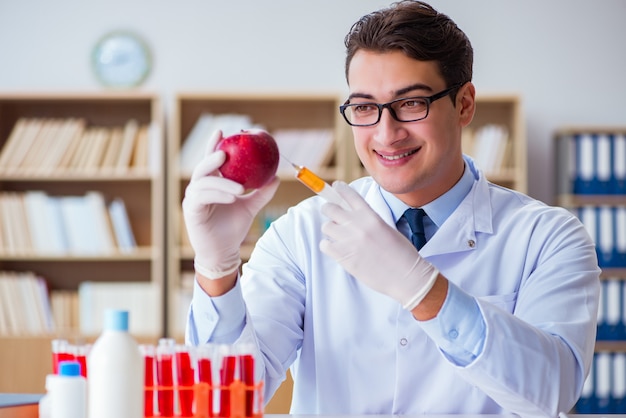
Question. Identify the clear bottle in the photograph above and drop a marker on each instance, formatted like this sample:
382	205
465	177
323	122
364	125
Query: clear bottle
116	371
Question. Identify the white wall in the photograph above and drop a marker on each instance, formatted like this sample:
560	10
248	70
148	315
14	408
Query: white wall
567	58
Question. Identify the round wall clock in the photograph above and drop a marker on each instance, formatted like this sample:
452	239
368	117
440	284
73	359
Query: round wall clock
121	59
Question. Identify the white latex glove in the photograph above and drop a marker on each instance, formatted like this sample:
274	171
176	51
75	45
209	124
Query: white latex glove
373	252
218	214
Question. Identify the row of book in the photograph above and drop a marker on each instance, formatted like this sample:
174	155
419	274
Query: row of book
35	223
592	163
42	146
604	390
612	310
606	225
24	304
489	146
28	308
312	148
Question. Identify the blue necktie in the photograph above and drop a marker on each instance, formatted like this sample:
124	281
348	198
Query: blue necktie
415	219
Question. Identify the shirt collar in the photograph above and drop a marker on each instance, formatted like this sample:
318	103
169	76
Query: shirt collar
439	209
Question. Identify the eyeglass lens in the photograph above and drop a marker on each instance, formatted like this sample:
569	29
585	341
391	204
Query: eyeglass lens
403	110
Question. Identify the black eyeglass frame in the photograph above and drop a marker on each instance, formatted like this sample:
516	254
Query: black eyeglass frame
428	99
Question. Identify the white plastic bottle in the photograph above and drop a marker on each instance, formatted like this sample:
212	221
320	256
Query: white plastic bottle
116	371
68	392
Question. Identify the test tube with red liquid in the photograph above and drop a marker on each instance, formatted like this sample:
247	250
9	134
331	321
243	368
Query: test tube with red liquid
228	366
148	353
246	372
165	377
81	351
205	355
185	380
60	352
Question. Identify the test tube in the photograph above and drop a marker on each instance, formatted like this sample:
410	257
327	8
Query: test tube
246	371
81	351
205	354
148	351
227	377
184	380
165	377
60	352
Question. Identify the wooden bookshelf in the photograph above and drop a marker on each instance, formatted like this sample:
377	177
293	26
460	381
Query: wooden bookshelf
140	188
274	112
505	110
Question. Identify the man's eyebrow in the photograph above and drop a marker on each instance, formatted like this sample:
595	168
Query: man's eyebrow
398	93
413	87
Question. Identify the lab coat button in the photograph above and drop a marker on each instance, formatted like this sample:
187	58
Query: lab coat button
471	243
453	334
403	341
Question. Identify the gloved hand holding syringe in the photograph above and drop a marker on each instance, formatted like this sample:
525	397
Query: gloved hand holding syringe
317	185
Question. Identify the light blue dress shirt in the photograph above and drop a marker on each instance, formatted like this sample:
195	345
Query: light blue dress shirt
515	334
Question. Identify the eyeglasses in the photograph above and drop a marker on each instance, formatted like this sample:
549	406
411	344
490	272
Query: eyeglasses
406	109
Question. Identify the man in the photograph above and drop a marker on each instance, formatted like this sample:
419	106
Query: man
494	314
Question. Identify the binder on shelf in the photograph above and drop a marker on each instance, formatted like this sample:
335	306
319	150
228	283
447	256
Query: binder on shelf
618	384
619	164
606	224
603	382
592	163
611	310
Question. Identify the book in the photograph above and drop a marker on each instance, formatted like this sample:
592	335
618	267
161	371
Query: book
58	240
14	221
121	226
155	149
72	128
12	143
113	149
312	148
139	160
102	232
128	144
97	149
9	299
74	142
80	151
24	143
42	145
141	299
79	225
35	202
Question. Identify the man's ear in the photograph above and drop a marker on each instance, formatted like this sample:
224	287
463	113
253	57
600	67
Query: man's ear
466	102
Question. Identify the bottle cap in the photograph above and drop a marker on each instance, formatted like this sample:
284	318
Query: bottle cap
116	320
69	368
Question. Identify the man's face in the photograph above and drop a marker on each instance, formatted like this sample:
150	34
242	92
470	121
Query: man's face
416	161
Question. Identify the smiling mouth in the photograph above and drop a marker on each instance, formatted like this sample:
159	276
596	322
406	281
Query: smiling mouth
397	156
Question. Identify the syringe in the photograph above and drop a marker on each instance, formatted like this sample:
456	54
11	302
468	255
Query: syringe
316	184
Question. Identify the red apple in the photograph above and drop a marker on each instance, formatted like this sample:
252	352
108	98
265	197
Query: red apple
251	157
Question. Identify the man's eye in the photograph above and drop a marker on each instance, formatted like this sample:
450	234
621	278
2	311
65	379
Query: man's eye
365	108
413	104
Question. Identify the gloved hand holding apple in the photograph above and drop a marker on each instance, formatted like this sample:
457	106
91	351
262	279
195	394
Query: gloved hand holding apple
218	207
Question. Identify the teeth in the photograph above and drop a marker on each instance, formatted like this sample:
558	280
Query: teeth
396	157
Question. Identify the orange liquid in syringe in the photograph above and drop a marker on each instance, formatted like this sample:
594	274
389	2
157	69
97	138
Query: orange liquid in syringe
310	179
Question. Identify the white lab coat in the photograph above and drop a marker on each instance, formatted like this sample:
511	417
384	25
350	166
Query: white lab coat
531	267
